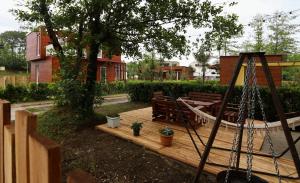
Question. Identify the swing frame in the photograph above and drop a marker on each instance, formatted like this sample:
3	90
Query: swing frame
279	110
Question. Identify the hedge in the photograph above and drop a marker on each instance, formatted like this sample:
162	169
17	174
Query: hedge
116	87
141	91
33	92
44	91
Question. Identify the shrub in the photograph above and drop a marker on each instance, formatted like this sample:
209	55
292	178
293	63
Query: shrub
111	88
15	93
41	91
33	92
141	91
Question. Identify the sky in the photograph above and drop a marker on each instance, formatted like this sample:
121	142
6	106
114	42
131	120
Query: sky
246	9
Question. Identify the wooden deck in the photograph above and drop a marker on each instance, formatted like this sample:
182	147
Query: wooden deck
184	151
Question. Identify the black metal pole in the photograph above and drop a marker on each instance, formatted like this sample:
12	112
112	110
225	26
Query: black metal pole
280	112
219	118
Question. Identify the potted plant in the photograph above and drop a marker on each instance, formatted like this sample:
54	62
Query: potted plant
136	127
166	136
113	120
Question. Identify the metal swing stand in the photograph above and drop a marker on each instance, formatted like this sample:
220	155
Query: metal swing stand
276	101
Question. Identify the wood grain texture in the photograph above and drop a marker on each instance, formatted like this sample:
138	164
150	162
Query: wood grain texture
80	176
9	154
44	156
24	125
4	120
184	151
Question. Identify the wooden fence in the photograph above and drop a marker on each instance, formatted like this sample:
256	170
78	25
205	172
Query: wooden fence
26	156
14	80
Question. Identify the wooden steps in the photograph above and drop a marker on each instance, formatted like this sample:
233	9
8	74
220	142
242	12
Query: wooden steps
184	151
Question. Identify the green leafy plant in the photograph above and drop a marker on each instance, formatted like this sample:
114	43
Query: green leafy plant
166	131
136	125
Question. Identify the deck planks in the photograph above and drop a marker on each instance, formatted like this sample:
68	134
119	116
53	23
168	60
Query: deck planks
183	149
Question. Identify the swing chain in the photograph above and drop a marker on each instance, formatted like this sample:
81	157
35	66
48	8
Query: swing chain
250	124
242	106
250	91
268	135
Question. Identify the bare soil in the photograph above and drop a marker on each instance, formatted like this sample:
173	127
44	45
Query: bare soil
111	159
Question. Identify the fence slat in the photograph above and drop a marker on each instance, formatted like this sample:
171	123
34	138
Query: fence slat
9	154
44	156
80	176
4	120
25	124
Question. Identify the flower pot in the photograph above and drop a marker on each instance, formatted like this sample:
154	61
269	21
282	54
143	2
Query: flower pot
113	122
136	132
166	140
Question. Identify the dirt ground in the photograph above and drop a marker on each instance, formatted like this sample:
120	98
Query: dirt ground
114	160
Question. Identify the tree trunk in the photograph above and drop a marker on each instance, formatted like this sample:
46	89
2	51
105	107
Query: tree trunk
79	50
94	44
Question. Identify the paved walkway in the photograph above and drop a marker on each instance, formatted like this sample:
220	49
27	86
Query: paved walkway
108	100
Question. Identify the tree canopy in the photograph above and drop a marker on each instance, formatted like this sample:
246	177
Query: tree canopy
12	52
127	25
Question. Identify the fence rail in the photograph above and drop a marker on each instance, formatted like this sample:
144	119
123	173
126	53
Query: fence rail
26	156
14	80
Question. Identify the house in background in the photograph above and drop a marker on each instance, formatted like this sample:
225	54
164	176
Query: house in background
44	65
210	74
228	64
178	72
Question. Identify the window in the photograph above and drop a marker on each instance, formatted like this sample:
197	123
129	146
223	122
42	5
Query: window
99	54
103	74
37	73
38	44
117	72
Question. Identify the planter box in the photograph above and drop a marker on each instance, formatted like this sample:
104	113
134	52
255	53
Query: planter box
113	122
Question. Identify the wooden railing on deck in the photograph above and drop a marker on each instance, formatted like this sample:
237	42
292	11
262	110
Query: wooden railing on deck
26	156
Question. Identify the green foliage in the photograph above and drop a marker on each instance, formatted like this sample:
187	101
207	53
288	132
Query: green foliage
142	92
69	93
125	25
12	55
116	87
32	92
166	131
15	93
202	57
136	125
257	25
282	32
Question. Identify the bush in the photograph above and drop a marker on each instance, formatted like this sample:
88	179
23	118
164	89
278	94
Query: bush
111	88
33	92
141	91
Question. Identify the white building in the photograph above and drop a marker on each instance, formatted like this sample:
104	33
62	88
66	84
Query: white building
210	74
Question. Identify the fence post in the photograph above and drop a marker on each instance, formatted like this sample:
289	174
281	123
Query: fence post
44	156
9	154
24	125
4	120
79	176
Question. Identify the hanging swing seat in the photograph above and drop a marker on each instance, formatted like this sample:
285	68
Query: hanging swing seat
292	122
237	176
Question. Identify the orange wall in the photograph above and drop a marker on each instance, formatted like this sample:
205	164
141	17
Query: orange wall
228	64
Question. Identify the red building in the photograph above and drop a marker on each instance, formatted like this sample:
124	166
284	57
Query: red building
179	72
44	65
